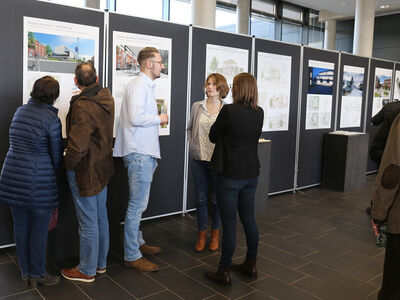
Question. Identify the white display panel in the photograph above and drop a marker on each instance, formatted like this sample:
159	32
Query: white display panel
396	96
126	47
352	92
319	94
273	79
55	48
226	61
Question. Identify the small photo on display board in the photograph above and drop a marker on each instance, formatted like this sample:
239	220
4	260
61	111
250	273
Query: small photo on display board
382	86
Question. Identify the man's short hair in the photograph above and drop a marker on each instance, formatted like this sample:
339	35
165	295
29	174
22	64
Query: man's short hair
145	54
45	90
85	74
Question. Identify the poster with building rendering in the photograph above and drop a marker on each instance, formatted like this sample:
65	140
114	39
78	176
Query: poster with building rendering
55	48
382	86
227	61
352	92
273	79
396	95
319	94
126	47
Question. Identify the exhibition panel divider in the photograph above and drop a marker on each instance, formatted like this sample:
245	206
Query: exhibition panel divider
277	68
215	52
380	85
39	39
318	102
127	36
353	83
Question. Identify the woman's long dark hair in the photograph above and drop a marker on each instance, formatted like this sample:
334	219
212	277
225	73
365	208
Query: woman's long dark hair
244	90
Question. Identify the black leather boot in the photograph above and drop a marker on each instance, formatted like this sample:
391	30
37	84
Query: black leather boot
222	276
248	267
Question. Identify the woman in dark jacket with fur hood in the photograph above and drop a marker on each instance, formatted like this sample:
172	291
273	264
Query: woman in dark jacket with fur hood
28	181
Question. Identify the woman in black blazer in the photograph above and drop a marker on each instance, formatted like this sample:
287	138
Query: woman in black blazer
236	132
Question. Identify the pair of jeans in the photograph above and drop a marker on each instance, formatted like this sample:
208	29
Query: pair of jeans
94	237
203	176
140	169
390	289
30	234
237	195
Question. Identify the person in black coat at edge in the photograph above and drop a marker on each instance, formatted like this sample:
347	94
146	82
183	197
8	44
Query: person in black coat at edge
236	132
28	181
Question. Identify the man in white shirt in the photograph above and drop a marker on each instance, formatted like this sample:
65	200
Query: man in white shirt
137	143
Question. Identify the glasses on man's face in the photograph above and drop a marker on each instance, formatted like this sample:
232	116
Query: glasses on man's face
158	62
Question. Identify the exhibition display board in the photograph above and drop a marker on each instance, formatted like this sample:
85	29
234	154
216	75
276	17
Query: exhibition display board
379	93
215	52
353	84
318	100
127	36
277	69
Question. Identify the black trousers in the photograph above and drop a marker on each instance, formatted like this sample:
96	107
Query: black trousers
391	269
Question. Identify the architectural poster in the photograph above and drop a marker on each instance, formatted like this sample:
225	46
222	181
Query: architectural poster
227	61
273	79
126	47
352	92
382	85
396	96
319	94
55	48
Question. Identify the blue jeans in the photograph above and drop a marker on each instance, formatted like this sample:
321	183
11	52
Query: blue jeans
202	175
30	234
93	228
140	175
237	195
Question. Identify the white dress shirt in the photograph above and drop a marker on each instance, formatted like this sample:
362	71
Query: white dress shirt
139	123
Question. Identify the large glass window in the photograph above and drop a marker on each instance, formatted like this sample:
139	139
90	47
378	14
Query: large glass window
225	19
151	9
291	33
315	37
264	7
179	11
262	27
292	13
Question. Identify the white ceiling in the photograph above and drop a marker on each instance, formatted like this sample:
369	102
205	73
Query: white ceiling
345	7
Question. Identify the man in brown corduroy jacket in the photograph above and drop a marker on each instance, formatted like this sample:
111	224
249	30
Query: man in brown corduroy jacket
386	208
89	165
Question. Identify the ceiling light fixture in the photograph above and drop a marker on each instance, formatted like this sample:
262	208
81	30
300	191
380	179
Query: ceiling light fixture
343	4
384	6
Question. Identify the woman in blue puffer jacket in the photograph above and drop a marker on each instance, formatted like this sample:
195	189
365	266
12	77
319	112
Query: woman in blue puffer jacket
28	181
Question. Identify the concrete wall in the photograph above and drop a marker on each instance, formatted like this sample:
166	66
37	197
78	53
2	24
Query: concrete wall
386	37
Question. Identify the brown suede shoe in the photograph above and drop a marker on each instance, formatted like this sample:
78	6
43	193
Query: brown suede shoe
149	250
214	242
76	275
142	264
201	241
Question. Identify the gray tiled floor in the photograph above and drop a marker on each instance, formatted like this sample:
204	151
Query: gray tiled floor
314	246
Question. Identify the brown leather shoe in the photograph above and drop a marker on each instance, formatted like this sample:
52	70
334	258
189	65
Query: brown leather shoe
142	264
201	241
76	275
214	243
149	250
